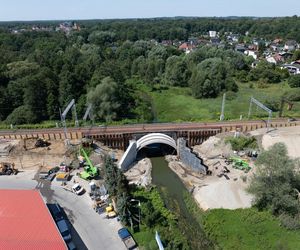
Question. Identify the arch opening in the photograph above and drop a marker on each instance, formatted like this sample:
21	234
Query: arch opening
155	138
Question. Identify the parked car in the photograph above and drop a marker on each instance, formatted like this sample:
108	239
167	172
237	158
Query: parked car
53	170
56	211
64	230
77	189
127	239
71	245
43	175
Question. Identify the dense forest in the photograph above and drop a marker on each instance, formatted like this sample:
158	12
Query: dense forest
106	63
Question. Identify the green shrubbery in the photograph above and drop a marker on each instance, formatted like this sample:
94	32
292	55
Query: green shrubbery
156	217
248	229
241	143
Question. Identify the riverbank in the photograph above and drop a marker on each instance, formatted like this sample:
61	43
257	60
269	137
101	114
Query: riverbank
212	192
140	173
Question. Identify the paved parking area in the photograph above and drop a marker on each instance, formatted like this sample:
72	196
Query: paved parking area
90	230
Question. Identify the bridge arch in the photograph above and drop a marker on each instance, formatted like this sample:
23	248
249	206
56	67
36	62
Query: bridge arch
134	146
155	138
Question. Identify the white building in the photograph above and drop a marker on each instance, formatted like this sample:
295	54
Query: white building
212	33
251	53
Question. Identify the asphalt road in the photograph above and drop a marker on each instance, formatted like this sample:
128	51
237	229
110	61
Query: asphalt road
90	230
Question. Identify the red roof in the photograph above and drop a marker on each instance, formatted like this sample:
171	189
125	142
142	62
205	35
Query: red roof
26	223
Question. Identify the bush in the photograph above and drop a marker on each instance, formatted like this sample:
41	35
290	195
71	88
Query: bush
242	142
293	95
273	104
294	81
230	95
21	115
289	222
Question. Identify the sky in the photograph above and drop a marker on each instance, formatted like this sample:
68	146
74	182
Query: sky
15	10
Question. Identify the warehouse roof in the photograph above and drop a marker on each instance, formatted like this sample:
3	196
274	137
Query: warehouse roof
25	222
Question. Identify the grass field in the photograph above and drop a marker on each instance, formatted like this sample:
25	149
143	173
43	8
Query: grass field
249	229
177	104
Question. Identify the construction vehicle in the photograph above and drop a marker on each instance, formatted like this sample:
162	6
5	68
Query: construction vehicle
41	143
90	171
7	168
240	164
62	176
110	212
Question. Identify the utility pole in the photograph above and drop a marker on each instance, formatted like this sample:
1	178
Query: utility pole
223	107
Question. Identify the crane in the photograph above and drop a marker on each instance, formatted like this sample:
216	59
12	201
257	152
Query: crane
90	171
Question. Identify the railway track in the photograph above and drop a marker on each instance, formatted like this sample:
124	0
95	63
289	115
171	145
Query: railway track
154	127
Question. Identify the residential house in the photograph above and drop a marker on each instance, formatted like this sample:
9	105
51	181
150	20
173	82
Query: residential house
290	45
252	53
276	58
215	41
240	48
186	47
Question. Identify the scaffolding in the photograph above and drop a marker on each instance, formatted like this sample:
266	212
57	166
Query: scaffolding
262	106
223	107
88	113
64	115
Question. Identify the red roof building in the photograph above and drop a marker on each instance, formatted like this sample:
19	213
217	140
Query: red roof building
26	223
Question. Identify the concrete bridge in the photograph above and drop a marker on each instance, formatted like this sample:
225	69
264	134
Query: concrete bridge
185	154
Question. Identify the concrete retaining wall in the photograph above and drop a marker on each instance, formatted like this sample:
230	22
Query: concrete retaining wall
188	158
129	156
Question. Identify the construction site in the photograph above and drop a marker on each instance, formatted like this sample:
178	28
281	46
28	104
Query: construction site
74	170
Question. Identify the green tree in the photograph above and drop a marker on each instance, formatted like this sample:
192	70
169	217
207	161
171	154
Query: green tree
276	182
294	81
296	55
21	115
210	77
104	98
176	73
123	207
102	38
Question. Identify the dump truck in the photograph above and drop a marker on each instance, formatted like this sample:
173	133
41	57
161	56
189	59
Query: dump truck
127	239
90	171
7	168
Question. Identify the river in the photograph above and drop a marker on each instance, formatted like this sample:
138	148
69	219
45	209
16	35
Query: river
173	192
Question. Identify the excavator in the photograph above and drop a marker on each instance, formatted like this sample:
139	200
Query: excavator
90	171
7	168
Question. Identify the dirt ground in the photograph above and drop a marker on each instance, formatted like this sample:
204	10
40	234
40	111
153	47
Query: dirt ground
290	136
212	191
27	157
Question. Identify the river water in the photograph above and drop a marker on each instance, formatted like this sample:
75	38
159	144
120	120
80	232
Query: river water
173	192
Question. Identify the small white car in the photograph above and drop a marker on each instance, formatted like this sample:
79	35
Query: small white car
77	189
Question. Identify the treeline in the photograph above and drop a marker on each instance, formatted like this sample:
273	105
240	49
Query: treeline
182	28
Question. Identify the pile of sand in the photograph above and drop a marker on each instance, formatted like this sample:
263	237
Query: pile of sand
290	136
